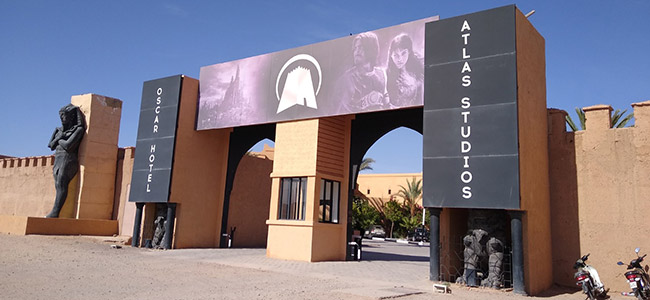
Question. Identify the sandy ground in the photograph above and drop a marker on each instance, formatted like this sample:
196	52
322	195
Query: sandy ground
64	267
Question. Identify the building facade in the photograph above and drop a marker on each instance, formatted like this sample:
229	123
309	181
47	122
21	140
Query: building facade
567	193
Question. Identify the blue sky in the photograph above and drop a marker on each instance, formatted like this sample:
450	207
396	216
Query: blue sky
597	52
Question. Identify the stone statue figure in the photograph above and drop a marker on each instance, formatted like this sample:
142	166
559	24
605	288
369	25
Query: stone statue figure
159	232
495	262
472	257
484	249
65	142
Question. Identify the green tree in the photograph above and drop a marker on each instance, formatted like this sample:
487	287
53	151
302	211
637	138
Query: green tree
618	117
366	164
410	222
394	212
411	194
363	214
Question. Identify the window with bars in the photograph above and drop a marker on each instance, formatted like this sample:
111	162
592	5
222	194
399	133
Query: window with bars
329	201
293	193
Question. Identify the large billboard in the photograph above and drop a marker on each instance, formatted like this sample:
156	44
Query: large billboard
470	146
370	71
154	148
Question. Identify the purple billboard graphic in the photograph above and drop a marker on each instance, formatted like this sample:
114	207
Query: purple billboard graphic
372	71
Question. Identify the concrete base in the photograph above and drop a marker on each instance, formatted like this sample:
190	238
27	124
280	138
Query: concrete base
21	225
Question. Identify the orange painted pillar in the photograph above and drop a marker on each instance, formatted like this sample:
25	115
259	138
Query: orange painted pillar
310	167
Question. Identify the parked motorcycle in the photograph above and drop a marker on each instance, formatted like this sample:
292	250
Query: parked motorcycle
637	277
587	277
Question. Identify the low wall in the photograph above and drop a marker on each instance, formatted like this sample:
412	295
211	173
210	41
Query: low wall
27	190
26	186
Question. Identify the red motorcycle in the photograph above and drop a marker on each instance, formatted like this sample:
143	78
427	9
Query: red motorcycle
637	277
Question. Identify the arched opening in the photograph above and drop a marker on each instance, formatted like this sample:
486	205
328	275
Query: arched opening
385	129
248	187
387	208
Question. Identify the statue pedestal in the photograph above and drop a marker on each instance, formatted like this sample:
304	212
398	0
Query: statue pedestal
21	225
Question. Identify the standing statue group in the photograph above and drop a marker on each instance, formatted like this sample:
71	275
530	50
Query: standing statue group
65	142
481	244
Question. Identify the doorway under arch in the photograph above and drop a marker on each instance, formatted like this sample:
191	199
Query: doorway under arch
242	139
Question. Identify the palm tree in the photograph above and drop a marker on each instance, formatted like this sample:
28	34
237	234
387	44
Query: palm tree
618	121
411	193
366	164
581	117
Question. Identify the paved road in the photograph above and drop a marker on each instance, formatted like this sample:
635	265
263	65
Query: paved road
47	267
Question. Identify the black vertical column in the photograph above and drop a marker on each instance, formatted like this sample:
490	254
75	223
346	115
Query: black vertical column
516	231
169	225
354	172
434	245
135	241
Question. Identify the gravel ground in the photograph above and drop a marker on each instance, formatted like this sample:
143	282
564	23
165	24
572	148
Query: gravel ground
76	267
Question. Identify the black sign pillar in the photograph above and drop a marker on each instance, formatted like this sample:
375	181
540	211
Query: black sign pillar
434	244
135	241
470	143
516	231
169	225
154	148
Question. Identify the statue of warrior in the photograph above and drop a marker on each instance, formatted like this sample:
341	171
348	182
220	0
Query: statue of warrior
65	142
495	261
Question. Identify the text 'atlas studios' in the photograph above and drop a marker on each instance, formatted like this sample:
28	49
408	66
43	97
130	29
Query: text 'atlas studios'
465	103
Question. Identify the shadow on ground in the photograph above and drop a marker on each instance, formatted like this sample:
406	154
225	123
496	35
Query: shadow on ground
377	256
557	290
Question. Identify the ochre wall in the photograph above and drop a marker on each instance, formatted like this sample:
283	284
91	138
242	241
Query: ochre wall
198	176
599	193
533	157
98	155
565	227
249	201
333	159
453	227
26	186
380	184
123	210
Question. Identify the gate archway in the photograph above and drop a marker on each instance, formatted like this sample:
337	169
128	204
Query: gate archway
366	130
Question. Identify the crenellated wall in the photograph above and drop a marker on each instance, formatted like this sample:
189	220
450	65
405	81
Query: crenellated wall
599	192
26	186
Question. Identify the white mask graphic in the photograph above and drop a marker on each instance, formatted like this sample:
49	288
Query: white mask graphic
298	87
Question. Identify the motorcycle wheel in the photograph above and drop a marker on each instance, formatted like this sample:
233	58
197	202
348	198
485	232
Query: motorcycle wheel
589	290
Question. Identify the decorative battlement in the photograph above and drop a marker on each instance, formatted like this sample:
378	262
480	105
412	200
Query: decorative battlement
48	160
642	114
24	162
125	153
598	117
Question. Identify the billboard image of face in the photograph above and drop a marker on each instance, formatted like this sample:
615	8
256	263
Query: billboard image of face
370	71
